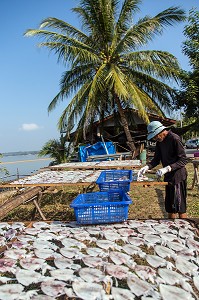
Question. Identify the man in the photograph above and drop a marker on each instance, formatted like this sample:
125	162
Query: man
170	152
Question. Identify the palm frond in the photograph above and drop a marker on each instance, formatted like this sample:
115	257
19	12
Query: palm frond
129	7
148	27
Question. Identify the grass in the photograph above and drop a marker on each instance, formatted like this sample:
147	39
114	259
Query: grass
148	203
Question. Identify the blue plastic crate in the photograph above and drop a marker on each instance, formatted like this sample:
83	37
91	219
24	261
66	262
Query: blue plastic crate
101	207
115	179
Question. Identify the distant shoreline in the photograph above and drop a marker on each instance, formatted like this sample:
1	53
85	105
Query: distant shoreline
23	161
19	153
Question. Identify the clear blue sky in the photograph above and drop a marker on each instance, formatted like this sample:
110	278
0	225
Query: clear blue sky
29	76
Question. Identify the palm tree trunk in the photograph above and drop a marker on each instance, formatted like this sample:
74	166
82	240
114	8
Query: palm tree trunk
126	127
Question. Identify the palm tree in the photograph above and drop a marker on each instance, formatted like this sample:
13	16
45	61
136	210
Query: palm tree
56	149
107	67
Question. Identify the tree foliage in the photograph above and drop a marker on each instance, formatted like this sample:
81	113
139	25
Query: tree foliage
188	96
3	171
55	149
191	45
108	69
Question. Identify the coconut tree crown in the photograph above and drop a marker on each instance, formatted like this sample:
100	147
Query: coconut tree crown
106	66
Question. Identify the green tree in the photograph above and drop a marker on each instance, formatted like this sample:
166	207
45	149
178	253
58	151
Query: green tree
56	149
188	96
3	171
107	68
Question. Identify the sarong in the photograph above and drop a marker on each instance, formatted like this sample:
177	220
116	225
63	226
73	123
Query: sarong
175	198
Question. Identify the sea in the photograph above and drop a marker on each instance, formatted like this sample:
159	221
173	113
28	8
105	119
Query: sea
19	166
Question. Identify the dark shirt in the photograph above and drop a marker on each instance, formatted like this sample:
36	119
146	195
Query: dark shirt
170	152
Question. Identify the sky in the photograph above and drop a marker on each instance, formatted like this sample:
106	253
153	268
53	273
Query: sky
30	76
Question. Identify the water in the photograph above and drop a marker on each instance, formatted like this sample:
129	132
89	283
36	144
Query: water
20	166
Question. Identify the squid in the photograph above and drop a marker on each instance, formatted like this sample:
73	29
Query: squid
122	294
157	261
62	262
11	291
119	258
53	288
186	267
145	273
119	272
27	277
63	274
138	286
91	275
89	291
174	293
164	251
91	261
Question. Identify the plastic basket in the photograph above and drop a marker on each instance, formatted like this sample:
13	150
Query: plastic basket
101	207
115	179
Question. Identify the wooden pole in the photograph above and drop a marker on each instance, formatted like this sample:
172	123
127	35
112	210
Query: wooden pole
39	209
18	200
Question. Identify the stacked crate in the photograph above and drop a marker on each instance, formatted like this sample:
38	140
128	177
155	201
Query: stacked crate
110	205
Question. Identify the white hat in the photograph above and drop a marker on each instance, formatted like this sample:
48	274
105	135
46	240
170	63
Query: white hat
154	128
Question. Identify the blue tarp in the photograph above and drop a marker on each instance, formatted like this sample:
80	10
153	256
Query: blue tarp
97	149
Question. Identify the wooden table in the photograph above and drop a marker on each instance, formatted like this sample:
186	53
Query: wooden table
115	156
81	178
195	176
98	165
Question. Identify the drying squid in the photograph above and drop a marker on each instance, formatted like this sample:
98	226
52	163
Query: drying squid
62	274
7	265
138	286
164	251
176	246
92	261
15	253
145	272
30	263
157	261
10	291
62	262
104	244
169	276
26	277
44	253
91	275
196	282
122	294
186	267
96	252
112	236
152	239
89	291
136	241
174	293
119	272
146	230
119	258
53	287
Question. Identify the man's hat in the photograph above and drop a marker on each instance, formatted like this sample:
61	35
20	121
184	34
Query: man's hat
154	128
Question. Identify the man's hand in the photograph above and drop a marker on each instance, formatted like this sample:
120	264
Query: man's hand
142	171
163	171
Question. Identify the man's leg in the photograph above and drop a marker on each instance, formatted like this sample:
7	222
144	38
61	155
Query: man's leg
182	215
171	215
183	196
169	201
